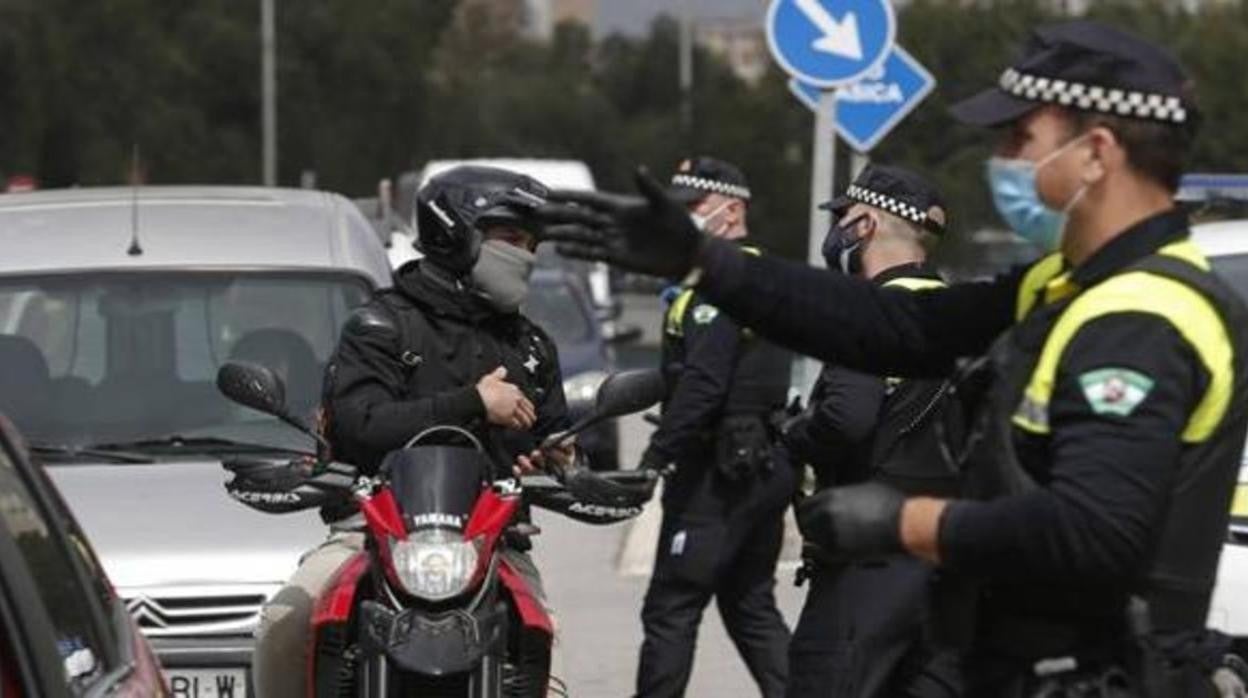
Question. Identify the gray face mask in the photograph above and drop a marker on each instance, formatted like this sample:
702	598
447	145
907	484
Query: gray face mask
502	274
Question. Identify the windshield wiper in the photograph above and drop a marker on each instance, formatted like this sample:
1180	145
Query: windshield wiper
87	452
195	443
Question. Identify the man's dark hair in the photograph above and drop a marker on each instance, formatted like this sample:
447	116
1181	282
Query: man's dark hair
1159	151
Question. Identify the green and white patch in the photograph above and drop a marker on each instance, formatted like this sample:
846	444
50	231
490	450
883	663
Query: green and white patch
1116	391
704	314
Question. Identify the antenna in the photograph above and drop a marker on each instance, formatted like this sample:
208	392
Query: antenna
135	248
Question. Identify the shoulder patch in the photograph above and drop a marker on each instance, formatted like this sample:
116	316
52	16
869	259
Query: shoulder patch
703	314
1114	390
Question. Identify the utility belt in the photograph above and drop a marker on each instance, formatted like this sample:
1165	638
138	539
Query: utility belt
1041	658
743	445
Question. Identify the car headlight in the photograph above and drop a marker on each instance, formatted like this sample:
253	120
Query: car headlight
435	564
583	387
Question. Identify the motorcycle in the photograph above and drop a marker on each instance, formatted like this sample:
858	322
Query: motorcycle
433	606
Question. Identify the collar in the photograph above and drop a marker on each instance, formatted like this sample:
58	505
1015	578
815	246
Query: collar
912	270
1138	241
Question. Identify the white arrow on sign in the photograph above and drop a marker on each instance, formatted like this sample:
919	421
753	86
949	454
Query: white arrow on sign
839	37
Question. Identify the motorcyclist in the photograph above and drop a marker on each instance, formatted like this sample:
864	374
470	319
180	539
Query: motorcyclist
447	345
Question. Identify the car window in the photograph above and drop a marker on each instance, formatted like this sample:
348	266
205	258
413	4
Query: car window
99	358
556	308
82	646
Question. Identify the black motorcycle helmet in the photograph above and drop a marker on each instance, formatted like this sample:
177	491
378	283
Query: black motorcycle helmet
455	206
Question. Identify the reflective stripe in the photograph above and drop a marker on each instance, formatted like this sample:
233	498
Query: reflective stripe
915	284
676	313
1185	308
1039	275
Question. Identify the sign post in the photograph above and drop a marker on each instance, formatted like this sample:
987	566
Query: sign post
827	44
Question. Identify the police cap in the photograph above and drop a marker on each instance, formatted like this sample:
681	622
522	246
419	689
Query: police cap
1086	66
697	177
895	190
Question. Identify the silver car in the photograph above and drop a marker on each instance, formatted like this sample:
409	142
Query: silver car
116	309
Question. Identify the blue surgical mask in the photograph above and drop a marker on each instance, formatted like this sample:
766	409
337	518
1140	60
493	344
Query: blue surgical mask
1013	186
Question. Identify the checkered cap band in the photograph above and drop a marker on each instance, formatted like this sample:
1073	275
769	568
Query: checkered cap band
711	186
1108	100
887	203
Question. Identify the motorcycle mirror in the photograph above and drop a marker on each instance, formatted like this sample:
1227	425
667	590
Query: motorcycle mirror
620	394
629	391
254	386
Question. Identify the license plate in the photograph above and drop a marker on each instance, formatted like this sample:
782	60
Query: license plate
207	683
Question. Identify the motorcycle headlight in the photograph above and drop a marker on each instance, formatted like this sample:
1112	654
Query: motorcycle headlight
583	387
435	564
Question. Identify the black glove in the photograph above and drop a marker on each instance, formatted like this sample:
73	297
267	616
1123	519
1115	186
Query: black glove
651	460
854	521
651	234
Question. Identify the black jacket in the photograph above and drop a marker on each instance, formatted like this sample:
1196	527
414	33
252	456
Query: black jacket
1106	480
713	369
410	359
858	425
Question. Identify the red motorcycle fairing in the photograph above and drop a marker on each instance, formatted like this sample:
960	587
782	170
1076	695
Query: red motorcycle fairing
336	603
531	611
490	516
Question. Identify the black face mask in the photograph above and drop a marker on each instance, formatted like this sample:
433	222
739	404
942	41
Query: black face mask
842	251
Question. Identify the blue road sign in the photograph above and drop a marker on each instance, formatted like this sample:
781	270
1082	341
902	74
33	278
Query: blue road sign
828	43
867	110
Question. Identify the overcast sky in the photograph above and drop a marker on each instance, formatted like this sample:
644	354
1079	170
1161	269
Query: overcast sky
633	16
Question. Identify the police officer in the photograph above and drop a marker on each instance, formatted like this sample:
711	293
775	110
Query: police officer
1109	431
861	631
446	345
724	500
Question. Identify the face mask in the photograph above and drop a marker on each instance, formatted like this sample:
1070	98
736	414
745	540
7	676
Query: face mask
1013	185
502	274
841	249
703	222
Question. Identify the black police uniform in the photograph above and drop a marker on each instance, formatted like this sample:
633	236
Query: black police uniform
724	502
410	359
1110	416
1133	492
863	630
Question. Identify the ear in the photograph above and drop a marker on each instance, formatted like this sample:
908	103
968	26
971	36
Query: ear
1106	154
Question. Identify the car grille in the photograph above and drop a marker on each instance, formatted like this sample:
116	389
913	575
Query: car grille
196	615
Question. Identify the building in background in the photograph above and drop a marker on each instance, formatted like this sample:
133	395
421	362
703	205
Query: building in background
544	15
738	41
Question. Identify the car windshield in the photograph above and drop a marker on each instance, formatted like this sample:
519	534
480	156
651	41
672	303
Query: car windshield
556	308
108	358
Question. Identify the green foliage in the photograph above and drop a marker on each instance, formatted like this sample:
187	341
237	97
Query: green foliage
371	89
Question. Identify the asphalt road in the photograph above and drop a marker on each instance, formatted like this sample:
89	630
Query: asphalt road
596	577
